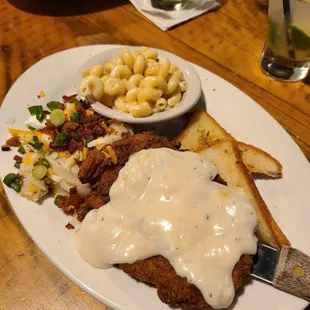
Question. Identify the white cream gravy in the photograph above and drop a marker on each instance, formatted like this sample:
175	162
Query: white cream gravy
164	203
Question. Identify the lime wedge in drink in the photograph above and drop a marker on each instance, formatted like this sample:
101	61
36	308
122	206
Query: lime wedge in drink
300	39
272	32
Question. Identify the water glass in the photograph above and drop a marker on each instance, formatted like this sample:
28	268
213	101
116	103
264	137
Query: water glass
169	5
286	55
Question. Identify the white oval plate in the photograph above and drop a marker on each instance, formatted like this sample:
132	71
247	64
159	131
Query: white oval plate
288	198
189	98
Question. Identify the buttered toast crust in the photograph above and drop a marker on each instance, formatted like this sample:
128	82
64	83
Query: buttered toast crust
259	161
202	130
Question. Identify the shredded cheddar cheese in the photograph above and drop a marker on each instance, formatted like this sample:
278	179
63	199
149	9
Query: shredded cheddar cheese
106	154
25	135
28	159
104	126
85	151
64	154
89	112
32	188
50	171
72	105
112	154
41	94
66	114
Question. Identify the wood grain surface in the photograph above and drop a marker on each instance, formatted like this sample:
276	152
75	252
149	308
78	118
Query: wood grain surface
227	42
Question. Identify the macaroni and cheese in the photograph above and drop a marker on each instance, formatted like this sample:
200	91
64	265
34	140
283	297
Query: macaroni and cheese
136	82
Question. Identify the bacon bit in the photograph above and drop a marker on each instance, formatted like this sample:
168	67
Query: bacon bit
69	226
68	98
17	158
114	121
13	141
70	207
41	94
77	162
5	148
112	154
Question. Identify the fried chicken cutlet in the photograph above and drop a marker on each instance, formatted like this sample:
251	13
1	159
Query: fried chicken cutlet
101	173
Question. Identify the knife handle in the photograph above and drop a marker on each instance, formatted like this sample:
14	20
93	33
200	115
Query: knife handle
292	273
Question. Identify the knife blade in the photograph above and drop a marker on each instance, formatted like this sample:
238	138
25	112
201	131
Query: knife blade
287	269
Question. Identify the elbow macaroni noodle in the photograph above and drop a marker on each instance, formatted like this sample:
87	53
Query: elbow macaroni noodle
141	110
92	85
161	104
136	82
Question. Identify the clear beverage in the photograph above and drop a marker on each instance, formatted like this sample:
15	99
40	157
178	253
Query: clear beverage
169	5
286	55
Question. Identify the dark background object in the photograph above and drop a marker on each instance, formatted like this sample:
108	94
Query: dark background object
65	7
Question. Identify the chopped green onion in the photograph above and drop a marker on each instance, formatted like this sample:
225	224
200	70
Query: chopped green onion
76	117
17	164
39	172
9	179
57	200
87	141
76	137
21	150
16	187
57	117
31	128
37	145
37	110
74	100
45	162
35	138
53	105
62	138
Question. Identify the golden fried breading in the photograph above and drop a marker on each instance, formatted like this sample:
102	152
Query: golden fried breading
171	288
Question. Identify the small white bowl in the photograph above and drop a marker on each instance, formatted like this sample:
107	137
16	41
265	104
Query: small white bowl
189	98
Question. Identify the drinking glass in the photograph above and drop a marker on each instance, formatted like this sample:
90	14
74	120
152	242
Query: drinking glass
286	55
169	5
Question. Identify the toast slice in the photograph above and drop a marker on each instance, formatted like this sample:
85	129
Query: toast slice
259	161
225	155
202	130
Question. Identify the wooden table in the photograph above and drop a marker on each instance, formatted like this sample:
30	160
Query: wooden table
227	42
